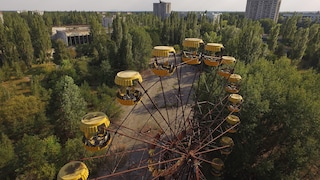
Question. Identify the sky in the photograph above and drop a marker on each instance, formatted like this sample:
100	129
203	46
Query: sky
147	5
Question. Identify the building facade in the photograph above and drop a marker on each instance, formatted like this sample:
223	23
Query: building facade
72	35
260	9
313	16
162	9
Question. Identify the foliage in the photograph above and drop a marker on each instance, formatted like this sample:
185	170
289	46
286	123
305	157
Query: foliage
68	108
273	37
299	44
74	150
288	29
32	154
6	150
40	38
250	46
279	116
60	52
267	25
141	47
18	115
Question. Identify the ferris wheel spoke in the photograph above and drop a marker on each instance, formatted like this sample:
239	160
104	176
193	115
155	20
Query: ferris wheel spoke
164	98
116	174
141	134
149	142
157	122
214	139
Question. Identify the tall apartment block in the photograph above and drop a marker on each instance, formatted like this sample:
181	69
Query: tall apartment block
260	9
162	9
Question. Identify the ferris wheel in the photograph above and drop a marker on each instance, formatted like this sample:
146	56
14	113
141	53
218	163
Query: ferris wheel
180	117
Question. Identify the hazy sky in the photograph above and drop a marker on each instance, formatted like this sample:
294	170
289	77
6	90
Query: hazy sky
147	5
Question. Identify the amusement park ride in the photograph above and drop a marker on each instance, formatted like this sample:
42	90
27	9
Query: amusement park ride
190	136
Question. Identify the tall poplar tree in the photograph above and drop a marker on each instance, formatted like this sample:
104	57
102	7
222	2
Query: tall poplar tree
22	40
250	44
273	37
125	51
141	47
117	33
40	38
299	44
288	29
99	40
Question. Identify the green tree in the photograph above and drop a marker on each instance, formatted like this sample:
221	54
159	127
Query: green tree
277	138
3	44
141	47
299	44
165	32
117	33
277	135
273	37
40	38
288	29
107	102
311	58
68	106
267	24
74	150
182	31
206	27
230	39
88	96
32	164
52	150
60	52
125	51
99	40
19	115
250	45
211	37
22	40
6	150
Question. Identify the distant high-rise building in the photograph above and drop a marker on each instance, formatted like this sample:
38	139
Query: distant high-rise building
260	9
162	9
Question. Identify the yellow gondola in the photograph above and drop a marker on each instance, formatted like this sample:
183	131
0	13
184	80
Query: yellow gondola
214	47
234	84
231	121
74	170
228	60
162	68
234	108
234	78
128	95
190	55
217	166
235	98
236	101
226	141
211	59
232	88
226	70
94	125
